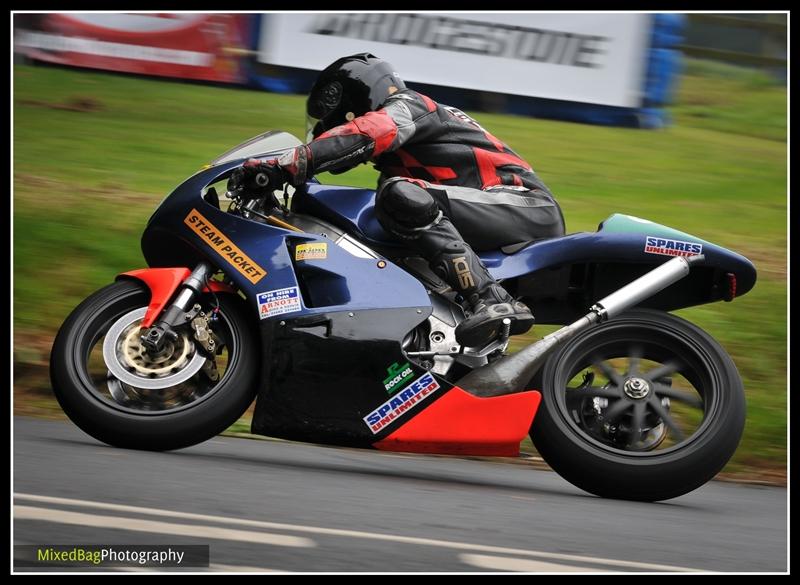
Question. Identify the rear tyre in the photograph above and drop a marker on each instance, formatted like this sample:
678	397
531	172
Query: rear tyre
644	407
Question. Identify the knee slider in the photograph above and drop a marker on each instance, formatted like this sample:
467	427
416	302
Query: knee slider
403	207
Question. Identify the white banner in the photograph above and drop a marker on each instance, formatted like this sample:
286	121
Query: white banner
592	58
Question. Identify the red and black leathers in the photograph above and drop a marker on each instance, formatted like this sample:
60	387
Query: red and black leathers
489	192
413	136
447	187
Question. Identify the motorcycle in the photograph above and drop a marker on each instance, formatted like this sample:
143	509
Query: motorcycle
297	298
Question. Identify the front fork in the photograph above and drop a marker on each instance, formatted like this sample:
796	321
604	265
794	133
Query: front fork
179	313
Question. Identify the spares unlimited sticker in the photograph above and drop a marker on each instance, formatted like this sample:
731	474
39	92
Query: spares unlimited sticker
223	245
655	245
401	403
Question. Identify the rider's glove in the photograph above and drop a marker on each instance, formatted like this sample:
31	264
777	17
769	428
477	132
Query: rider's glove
296	164
255	177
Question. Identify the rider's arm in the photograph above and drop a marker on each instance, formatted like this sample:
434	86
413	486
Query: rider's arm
360	140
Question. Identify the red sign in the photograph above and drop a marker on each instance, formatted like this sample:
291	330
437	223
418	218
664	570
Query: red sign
191	46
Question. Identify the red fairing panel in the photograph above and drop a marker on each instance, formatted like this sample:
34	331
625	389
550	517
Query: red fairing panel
462	424
163	282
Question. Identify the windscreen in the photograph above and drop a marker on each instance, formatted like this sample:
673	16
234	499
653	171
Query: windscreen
269	142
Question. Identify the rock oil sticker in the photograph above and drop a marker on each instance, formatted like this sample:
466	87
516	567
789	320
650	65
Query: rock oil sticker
316	251
397	376
278	302
223	245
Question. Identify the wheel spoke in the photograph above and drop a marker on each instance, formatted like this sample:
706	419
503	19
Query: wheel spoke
610	373
639	410
592	391
678	435
616	410
679	395
663	370
634	356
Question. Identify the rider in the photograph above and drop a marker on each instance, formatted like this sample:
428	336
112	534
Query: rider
447	186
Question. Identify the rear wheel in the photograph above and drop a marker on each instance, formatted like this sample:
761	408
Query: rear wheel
121	395
644	407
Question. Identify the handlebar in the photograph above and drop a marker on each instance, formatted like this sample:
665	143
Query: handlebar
255	187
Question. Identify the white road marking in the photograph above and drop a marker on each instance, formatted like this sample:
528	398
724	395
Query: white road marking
211	568
157	527
493	563
129	569
241	569
616	564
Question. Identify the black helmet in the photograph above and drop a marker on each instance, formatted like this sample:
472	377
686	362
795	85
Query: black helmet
349	87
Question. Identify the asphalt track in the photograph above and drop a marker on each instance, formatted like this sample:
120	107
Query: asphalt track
280	506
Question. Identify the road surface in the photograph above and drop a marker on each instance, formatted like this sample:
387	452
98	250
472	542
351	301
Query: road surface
282	506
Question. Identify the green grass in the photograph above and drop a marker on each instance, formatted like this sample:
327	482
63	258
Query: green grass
732	100
94	153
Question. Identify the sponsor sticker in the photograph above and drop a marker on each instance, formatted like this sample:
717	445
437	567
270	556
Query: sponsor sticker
397	376
223	245
401	403
665	247
278	302
462	270
316	251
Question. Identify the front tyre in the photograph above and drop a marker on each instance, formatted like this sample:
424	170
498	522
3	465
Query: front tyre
114	391
644	407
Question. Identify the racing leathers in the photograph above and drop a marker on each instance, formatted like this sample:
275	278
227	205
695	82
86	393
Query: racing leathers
447	187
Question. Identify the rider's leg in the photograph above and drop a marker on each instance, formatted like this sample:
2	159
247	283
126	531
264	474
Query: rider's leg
408	210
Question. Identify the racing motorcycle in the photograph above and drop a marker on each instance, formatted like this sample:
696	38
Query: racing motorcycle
298	299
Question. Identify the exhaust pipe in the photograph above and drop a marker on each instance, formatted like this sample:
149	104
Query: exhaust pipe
512	373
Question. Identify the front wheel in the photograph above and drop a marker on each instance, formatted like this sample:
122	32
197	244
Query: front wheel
645	407
121	395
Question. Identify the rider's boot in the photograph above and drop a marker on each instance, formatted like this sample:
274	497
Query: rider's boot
487	302
409	211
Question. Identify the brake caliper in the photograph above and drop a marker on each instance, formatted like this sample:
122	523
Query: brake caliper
202	332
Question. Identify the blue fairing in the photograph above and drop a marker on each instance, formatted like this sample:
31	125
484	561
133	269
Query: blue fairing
603	246
350	208
342	282
620	238
558	276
